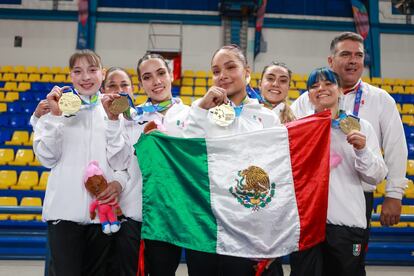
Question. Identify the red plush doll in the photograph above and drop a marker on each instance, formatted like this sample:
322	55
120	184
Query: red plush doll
95	183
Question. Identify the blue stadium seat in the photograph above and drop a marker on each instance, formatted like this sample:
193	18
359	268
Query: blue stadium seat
44	87
407	99
410	146
397	97
5	133
4	120
175	90
409	132
15	107
38	96
27	96
19	121
29	107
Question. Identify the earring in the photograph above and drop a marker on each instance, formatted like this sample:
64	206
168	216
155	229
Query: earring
248	78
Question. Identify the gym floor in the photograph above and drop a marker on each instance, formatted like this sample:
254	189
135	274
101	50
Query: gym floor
36	268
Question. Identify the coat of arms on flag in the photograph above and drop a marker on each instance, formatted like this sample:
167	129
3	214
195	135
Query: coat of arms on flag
253	189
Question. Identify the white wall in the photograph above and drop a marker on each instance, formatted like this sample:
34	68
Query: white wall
301	50
44	42
122	44
397	56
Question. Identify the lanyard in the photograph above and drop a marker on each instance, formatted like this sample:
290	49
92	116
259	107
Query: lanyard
92	101
335	122
358	98
239	108
255	95
135	113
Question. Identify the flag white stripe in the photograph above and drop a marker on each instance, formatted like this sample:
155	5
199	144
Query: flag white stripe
242	231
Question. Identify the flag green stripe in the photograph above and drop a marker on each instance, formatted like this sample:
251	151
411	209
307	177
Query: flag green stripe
194	225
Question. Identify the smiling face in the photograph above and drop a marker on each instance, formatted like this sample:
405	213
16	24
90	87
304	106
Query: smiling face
156	80
230	73
324	94
86	77
275	84
348	62
117	81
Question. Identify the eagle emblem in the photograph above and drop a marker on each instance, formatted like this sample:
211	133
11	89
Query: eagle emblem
253	188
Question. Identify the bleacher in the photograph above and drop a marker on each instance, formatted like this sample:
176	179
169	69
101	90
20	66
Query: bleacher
23	180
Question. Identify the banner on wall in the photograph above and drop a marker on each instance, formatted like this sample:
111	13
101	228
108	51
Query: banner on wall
83	30
176	67
258	39
361	18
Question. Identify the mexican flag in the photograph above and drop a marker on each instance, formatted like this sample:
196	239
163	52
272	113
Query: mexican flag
260	194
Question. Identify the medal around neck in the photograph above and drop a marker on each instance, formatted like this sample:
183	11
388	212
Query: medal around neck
120	104
349	124
222	115
69	103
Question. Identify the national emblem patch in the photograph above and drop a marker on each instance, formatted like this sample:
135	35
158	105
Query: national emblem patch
356	249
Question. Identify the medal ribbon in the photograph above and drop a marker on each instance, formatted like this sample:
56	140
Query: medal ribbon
93	100
239	108
335	122
255	95
85	105
148	107
151	108
358	97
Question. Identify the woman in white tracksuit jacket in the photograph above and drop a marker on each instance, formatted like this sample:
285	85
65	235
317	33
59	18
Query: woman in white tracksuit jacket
355	158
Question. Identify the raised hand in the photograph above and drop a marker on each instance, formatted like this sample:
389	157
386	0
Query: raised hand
357	139
53	99
42	108
215	96
107	100
111	193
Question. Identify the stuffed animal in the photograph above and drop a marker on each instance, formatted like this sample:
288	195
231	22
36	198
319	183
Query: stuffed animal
154	125
95	183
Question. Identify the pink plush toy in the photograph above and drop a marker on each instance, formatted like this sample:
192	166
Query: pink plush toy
335	160
95	183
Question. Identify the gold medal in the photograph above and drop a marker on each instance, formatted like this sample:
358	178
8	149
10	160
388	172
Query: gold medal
349	124
69	103
119	105
223	115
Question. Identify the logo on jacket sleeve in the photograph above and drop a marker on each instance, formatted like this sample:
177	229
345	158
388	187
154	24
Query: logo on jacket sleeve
253	188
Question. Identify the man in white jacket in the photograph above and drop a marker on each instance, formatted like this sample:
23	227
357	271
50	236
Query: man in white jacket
377	107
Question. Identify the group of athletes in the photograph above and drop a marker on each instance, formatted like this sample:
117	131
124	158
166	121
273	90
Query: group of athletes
105	126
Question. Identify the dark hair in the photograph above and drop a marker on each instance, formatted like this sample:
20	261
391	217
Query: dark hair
113	69
345	36
148	56
92	58
236	50
276	63
323	73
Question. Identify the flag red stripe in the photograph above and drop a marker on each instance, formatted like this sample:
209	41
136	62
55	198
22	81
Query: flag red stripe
311	185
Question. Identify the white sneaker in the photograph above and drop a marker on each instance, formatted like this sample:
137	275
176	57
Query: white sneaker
106	228
115	227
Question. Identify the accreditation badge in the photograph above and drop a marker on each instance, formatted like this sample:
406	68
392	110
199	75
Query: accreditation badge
349	124
69	103
222	115
119	105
